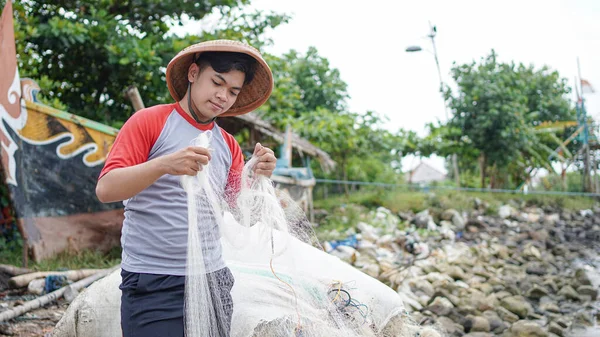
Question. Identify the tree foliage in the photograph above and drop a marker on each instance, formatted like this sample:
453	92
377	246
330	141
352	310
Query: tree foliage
497	107
86	53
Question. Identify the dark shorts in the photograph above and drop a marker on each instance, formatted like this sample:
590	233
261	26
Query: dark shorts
153	305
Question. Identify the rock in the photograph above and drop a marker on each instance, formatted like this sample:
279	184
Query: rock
536	268
556	329
455	300
568	292
517	305
502	294
550	307
456	273
478	334
496	323
584	318
410	299
6	330
551	219
506	211
440	306
527	329
582	278
536	292
531	252
563	323
454	216
587	290
424	220
450	326
476	324
368	232
506	315
423	286
551	285
485	288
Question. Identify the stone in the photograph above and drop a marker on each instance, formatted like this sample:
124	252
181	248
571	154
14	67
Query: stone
550	307
551	285
556	329
582	278
569	293
525	328
423	286
476	324
424	220
532	252
506	211
536	268
517	305
478	334
506	315
486	288
496	323
440	306
536	292
502	294
584	318
587	290
450	326
456	273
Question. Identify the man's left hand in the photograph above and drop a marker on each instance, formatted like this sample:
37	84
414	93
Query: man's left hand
266	160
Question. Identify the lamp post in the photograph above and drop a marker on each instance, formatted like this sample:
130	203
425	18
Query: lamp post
413	49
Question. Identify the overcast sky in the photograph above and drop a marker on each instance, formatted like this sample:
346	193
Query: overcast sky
366	41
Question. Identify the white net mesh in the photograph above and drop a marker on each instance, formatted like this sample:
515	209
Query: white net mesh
285	284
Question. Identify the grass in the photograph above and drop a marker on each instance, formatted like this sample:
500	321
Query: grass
344	212
86	259
403	201
12	253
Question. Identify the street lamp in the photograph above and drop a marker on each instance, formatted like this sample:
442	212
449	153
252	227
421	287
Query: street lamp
413	49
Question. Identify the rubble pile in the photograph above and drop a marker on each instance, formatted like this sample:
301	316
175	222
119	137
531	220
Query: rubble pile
523	271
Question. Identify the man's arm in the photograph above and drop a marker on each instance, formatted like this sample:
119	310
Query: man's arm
125	182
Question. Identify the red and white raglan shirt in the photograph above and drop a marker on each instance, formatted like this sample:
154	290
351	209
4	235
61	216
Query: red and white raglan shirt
154	234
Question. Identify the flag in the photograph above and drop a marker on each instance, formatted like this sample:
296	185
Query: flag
10	93
586	87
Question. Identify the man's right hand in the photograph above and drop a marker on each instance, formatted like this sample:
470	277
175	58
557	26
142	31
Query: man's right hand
187	161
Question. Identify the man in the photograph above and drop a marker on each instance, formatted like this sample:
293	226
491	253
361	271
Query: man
144	168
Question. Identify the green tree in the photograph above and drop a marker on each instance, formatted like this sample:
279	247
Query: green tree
85	53
304	83
496	108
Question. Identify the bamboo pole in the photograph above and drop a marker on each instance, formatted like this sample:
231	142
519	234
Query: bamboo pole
134	96
41	301
73	275
13	271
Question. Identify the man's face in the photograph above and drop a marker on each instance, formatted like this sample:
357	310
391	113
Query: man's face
214	93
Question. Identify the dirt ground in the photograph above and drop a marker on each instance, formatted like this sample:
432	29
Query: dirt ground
38	323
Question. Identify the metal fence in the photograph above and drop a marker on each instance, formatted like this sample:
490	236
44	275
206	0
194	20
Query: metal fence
326	187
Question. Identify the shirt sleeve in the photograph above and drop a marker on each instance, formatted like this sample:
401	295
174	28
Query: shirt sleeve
136	138
234	178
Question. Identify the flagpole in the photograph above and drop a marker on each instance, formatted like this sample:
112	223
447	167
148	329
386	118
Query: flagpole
586	147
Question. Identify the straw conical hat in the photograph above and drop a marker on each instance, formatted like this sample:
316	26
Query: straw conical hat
252	95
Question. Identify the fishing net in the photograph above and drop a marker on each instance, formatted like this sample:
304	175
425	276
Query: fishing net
278	280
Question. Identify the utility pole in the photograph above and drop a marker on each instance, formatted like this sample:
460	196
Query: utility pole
582	118
432	34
